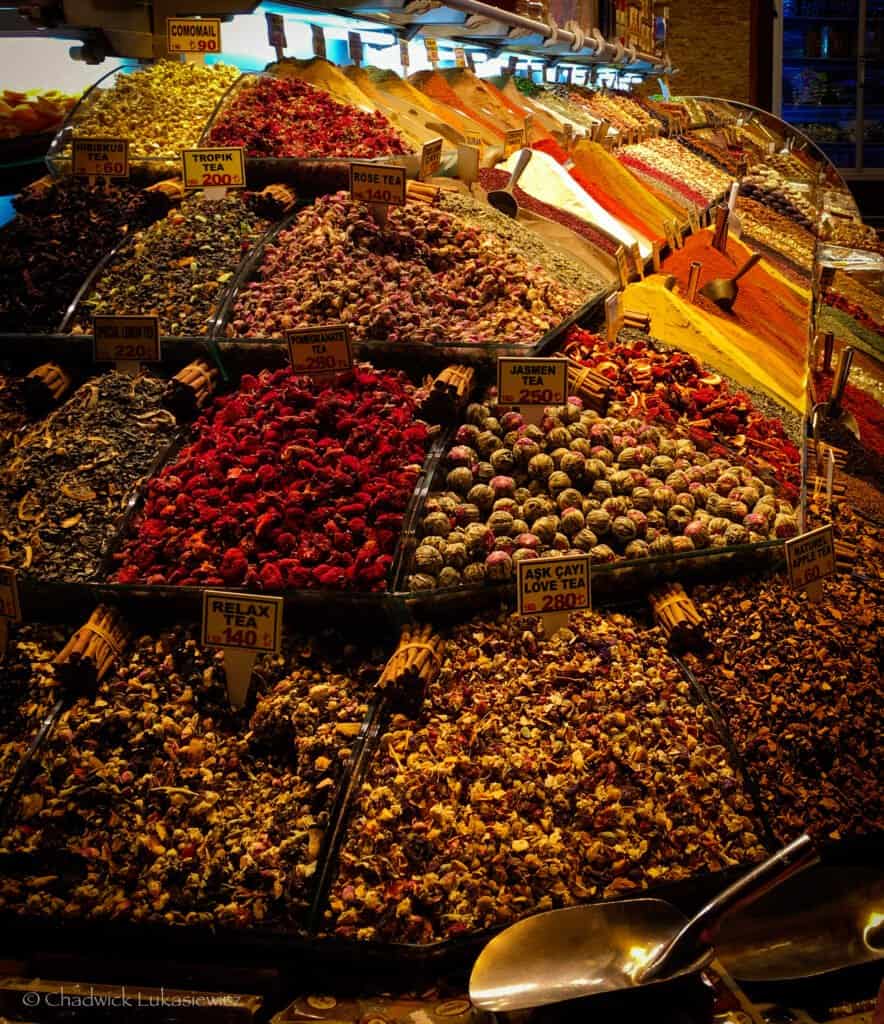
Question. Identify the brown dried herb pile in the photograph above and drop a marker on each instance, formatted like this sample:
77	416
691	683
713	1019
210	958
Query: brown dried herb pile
159	803
799	685
540	774
66	482
13	414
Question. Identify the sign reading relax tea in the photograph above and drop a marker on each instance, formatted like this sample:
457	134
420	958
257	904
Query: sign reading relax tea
317	350
377	183
100	158
553	588
126	339
193	35
244	626
810	559
221	167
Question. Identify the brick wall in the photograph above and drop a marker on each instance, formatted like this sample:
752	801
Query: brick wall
709	44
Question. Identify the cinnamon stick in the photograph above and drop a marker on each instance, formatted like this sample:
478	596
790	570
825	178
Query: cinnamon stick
412	668
677	616
190	389
91	652
45	386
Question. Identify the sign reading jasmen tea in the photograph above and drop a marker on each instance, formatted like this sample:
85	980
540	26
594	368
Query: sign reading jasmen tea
193	35
532	384
553	588
319	350
244	626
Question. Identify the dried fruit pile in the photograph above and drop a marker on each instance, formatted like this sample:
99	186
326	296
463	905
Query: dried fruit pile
285	117
28	113
799	685
540	774
774	192
179	268
160	109
157	802
60	231
27	693
289	484
425	277
63	487
778	232
672	387
673	165
623	486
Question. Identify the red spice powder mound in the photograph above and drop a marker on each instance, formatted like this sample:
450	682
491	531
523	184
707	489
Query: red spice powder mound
697	198
764	305
491	178
435	86
868	412
606	201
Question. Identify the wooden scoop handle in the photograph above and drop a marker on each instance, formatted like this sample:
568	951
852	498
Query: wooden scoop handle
747	266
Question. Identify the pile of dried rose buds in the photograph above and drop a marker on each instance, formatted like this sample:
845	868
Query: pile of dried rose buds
289	484
284	117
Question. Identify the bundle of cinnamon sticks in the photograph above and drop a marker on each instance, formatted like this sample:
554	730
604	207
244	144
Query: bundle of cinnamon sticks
420	192
90	653
190	389
677	616
448	394
590	386
413	666
45	387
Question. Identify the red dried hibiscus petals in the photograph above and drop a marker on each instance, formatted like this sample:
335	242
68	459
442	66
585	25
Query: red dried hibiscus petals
289	484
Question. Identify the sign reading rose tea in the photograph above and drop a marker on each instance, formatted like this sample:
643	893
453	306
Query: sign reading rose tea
317	350
214	168
100	158
532	384
193	35
810	559
244	626
127	341
377	184
553	588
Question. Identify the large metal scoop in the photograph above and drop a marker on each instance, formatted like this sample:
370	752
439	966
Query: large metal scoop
723	291
584	951
502	198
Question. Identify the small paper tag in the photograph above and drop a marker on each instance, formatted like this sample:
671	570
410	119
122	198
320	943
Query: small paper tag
511	63
460	57
513	139
100	158
553	588
193	35
431	158
532	384
126	339
10	606
810	559
432	50
404	59
473	139
317	33
320	350
468	163
377	184
276	31
354	46
224	167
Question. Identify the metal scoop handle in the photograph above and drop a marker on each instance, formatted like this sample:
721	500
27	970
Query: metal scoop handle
839	381
524	157
700	931
746	267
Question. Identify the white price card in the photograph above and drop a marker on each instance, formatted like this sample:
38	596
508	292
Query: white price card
553	588
244	626
532	384
810	559
319	350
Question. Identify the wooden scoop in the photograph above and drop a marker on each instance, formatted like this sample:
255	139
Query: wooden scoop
723	290
502	198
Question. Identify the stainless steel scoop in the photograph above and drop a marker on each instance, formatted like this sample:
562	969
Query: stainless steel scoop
583	951
502	198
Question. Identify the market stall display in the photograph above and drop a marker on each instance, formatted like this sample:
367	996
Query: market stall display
66	482
674	168
32	112
540	773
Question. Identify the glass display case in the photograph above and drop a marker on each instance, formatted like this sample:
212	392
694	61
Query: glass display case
829	78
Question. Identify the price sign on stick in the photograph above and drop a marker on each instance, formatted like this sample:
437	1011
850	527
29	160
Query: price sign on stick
193	35
100	158
244	626
513	139
127	341
10	607
810	559
432	51
431	158
378	185
276	33
403	55
319	350
214	170
460	57
553	588
532	384
317	36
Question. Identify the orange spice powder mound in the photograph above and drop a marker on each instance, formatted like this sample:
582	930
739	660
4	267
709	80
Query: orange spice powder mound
435	86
